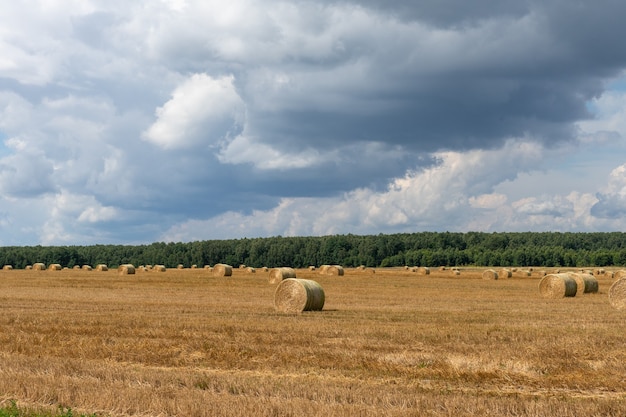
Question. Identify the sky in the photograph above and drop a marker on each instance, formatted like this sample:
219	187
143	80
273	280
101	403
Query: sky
182	120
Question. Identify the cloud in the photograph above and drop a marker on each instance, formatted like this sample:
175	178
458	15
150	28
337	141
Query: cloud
202	110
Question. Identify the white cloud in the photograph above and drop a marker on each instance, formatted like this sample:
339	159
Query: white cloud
202	110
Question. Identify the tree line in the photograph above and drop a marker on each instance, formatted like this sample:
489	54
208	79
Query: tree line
547	249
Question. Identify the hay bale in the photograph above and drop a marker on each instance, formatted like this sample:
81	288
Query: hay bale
242	266
102	267
55	267
76	267
456	272
295	295
311	267
585	283
180	266
159	268
194	266
87	268
39	266
600	271
208	267
505	273
7	267
222	270
617	294
423	270
331	270
279	274
619	274
490	274
557	286
442	268
126	269
250	270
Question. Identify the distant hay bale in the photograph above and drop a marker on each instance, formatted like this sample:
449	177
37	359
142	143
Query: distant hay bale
126	269
222	270
619	274
617	294
208	267
331	270
250	270
609	274
29	267
7	267
406	267
490	274
180	266
423	270
456	272
297	295
585	283
557	286
524	273
242	266
505	273
513	269
542	273
55	267
442	268
265	269
76	267
86	268
194	266
360	268
311	267
102	267
599	271
159	268
413	269
279	274
39	266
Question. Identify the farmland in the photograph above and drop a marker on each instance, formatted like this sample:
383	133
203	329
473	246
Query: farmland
389	343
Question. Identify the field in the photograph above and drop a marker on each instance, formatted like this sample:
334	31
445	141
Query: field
389	343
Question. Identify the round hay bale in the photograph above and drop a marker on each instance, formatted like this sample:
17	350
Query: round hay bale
619	274
609	274
39	266
194	266
617	294
295	295
250	270
76	267
311	267
505	273
87	268
585	283
55	267
490	274
456	272
513	269
557	286
180	266
159	268
242	266
279	274
7	267
102	267
600	271
423	270
442	268
126	269
332	270
29	267
265	269
208	267
222	270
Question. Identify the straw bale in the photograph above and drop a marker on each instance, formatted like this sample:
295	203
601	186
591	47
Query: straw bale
311	267
102	267
423	270
490	274
126	269
87	268
39	266
265	269
242	266
456	272
505	273
617	294
76	267
180	266
7	267
28	267
557	286
159	268
279	274
585	283
331	270
222	270
619	274
208	267
295	295
442	268
250	270
194	266
55	267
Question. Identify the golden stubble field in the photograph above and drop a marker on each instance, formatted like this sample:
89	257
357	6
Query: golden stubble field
392	343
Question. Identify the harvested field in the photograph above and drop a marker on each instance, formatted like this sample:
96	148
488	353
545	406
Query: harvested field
185	343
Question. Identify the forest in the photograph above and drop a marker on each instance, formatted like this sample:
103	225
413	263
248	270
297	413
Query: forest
547	249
